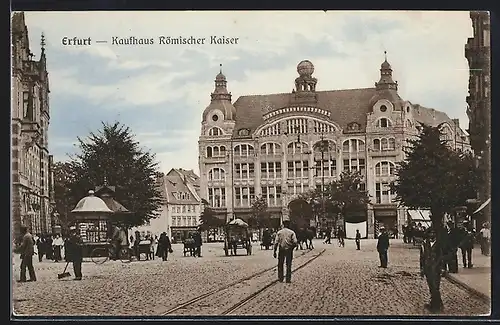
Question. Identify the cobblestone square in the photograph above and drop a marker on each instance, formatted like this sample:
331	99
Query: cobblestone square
341	281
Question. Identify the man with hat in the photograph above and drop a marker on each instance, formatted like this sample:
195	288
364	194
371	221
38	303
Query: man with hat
467	243
27	250
383	247
430	267
75	251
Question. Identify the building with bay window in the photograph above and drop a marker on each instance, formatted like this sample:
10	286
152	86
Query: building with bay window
280	145
30	115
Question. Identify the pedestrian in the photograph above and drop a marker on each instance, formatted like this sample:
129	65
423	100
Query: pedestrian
383	247
197	243
430	267
27	249
485	239
151	254
328	235
453	242
49	249
467	244
57	245
137	243
358	240
75	250
164	246
284	244
341	236
40	244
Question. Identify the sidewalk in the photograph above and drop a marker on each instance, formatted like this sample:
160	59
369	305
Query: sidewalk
478	278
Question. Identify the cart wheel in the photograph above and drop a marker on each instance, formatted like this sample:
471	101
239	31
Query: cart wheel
99	255
125	256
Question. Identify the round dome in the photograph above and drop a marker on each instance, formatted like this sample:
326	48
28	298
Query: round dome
220	76
91	203
385	65
305	68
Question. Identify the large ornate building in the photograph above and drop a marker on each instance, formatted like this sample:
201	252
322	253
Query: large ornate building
30	123
267	145
478	53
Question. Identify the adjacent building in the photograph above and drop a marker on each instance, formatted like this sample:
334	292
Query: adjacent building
181	207
267	145
478	53
30	118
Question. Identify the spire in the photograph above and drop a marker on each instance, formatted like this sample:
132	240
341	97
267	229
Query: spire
220	91
386	81
42	43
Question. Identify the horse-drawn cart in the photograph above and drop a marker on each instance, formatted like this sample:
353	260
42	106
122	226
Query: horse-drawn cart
237	236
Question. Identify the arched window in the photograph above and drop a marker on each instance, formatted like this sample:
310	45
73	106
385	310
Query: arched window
244	150
385	168
384	123
222	151
209	152
216	174
215	131
392	144
384	144
409	124
353	145
376	145
216	151
297	148
270	148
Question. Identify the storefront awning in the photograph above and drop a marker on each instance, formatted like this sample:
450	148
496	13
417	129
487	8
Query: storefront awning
482	206
420	215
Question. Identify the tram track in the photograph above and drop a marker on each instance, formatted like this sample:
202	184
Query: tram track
195	304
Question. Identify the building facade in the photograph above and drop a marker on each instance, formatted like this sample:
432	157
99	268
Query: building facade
267	145
478	53
31	161
181	208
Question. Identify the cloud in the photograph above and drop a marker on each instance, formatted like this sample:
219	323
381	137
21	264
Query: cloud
160	91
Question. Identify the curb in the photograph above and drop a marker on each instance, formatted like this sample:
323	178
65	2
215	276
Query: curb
467	287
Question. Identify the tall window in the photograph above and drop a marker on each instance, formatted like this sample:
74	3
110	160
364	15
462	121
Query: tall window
384	144
272	195
320	127
244	196
294	189
327	168
243	150
383	193
295	126
353	145
385	168
384	123
244	171
270	170
298	169
26	99
216	151
215	131
354	164
217	197
216	174
271	130
297	148
270	149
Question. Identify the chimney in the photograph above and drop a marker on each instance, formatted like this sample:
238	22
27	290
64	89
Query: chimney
457	122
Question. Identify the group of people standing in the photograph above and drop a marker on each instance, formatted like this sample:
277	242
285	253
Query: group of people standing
50	246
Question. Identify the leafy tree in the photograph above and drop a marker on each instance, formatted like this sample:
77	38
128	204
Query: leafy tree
260	213
208	218
113	155
64	203
436	178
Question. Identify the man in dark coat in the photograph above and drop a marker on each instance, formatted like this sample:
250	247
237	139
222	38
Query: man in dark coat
358	239
328	236
383	247
467	244
197	243
75	250
27	250
430	267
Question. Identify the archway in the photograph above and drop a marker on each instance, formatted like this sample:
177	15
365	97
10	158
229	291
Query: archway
300	212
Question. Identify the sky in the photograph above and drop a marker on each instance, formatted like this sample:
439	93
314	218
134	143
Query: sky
160	91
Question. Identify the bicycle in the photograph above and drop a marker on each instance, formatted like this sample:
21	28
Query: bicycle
99	255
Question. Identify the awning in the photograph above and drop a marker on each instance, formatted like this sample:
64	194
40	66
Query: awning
482	206
420	215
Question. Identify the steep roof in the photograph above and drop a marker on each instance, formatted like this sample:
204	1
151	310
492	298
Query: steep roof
346	106
175	183
190	174
433	117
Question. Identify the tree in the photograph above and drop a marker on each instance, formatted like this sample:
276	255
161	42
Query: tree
64	203
112	155
436	178
260	215
208	218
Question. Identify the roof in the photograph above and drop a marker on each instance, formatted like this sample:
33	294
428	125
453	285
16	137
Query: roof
91	203
113	205
346	106
172	183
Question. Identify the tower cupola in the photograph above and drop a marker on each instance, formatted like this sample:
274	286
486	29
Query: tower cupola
386	81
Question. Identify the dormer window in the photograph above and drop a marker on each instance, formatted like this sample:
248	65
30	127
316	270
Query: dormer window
384	123
243	132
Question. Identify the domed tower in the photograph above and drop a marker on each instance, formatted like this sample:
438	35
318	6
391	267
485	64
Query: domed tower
386	81
305	83
220	107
